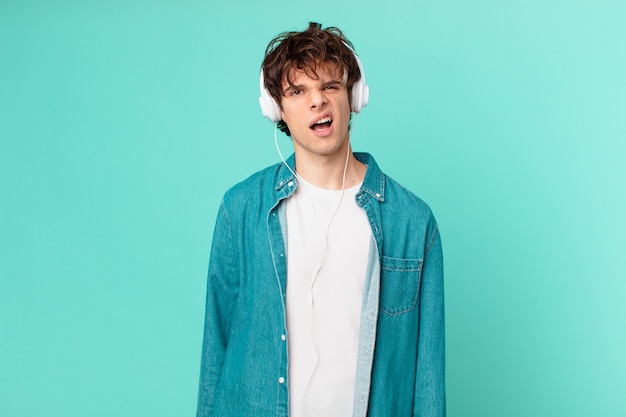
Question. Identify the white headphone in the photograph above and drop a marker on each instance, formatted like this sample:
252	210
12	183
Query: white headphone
359	96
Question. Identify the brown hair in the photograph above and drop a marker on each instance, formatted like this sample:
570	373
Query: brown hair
305	51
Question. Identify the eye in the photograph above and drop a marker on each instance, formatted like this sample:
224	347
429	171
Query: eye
296	92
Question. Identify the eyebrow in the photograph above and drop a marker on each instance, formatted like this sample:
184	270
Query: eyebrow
332	83
293	87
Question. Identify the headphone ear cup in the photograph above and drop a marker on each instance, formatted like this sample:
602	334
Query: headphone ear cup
269	107
356	101
359	96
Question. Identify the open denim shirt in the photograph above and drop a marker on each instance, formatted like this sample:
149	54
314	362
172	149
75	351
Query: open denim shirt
400	368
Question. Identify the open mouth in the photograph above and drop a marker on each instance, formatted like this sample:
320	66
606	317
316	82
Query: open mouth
322	123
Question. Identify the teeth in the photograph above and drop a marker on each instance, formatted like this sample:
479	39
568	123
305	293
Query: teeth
324	120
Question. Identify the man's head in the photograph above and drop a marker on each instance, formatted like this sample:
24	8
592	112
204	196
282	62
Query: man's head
309	51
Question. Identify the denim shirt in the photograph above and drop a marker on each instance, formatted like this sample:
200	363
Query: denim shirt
400	365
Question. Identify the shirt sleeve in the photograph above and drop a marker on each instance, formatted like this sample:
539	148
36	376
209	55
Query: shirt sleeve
221	296
430	398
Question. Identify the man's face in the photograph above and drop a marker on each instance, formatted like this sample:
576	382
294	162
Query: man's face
317	112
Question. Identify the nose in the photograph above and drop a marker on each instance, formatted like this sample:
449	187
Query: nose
317	98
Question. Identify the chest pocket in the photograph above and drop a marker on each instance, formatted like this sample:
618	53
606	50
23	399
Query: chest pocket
399	284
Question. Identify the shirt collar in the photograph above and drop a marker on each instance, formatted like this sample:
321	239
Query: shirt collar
285	180
373	183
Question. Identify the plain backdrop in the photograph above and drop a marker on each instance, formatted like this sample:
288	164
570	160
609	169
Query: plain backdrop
122	123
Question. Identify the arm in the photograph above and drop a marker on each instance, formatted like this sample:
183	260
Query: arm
430	398
222	290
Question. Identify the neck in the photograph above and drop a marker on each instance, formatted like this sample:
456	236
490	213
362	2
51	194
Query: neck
327	171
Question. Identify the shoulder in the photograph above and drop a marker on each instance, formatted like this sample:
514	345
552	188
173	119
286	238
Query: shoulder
388	191
399	196
252	189
404	214
397	203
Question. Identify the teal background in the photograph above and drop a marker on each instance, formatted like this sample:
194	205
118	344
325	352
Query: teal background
123	123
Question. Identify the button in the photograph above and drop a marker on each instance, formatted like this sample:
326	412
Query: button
281	380
290	183
281	255
283	337
377	195
274	214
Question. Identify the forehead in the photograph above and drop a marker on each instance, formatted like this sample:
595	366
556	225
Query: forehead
322	71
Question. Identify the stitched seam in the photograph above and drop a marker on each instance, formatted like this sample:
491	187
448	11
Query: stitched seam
432	239
226	217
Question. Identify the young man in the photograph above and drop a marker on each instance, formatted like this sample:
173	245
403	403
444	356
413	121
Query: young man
325	285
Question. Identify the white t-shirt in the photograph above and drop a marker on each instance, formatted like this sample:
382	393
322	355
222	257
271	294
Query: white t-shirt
325	278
